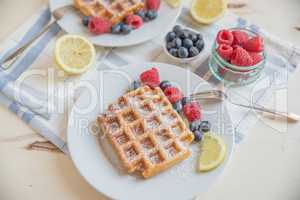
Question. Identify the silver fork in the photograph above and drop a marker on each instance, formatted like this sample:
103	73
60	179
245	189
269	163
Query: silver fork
58	14
220	95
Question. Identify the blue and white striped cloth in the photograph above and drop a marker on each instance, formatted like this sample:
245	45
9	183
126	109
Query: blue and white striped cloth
20	106
282	60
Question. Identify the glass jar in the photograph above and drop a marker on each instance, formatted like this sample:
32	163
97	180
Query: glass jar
232	74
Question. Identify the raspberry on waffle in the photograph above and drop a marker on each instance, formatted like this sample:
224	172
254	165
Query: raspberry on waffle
147	134
113	10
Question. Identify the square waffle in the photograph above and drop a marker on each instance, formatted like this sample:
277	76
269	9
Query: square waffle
147	134
113	10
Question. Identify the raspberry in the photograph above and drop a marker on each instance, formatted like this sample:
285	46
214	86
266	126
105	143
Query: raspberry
153	4
225	37
150	77
99	26
235	46
256	57
222	71
225	51
173	94
192	111
241	57
134	21
239	37
254	44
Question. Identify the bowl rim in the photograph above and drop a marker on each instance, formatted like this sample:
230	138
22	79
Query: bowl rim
244	70
235	67
182	59
232	83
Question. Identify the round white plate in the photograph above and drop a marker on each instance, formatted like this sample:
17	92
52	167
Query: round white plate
71	23
180	182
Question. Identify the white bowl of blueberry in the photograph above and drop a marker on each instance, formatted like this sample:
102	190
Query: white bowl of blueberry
183	44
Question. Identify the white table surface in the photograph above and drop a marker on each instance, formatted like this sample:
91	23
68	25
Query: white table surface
264	167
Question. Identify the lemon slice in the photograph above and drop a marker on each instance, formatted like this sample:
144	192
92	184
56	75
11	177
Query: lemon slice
207	11
213	151
74	54
174	3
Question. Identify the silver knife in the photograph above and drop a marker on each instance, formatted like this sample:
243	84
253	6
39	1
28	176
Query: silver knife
58	14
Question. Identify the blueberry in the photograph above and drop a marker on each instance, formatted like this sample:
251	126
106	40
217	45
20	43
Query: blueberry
170	45
174	52
146	19
155	14
184	35
193	37
179	33
177	106
185	100
116	29
193	51
205	126
187	43
170	36
183	52
200	45
141	13
195	125
164	84
198	135
151	14
85	20
199	36
125	29
177	29
178	42
135	85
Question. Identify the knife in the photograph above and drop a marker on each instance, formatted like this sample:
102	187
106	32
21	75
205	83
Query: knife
58	14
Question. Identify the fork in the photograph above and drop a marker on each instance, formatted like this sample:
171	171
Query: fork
220	95
58	14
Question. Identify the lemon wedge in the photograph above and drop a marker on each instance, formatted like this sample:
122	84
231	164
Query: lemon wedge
208	11
74	54
174	3
212	152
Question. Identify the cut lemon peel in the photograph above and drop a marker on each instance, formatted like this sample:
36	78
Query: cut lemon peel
208	11
174	3
213	152
74	54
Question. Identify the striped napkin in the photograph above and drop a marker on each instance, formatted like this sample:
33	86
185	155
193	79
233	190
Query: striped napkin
34	70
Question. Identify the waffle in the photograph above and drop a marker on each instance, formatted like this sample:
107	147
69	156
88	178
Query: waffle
113	10
147	134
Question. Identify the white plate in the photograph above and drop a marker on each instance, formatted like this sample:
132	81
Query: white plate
71	23
180	182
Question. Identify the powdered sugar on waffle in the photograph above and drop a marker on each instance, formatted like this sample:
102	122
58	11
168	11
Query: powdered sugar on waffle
145	136
168	119
187	169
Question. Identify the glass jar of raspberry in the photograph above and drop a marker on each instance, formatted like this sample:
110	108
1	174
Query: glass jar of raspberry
238	58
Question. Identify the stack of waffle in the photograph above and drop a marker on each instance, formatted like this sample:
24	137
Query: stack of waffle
147	134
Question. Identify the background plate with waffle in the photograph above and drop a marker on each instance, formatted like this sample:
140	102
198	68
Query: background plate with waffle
98	163
72	23
114	11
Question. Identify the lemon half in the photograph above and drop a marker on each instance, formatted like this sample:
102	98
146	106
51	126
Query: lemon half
213	152
174	3
208	11
74	54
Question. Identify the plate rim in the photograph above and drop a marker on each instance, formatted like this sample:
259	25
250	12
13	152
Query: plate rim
230	152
